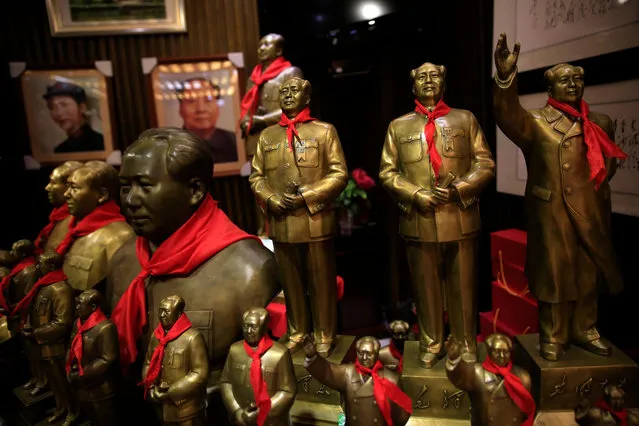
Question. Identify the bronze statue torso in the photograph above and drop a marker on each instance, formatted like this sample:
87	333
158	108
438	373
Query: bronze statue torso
277	371
51	317
405	169
57	234
239	277
87	261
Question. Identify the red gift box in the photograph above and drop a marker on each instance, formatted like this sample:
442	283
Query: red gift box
512	245
514	309
488	326
511	275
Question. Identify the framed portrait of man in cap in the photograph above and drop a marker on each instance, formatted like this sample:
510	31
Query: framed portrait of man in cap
201	95
67	114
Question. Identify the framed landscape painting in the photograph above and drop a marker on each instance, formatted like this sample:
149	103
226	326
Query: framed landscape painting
108	17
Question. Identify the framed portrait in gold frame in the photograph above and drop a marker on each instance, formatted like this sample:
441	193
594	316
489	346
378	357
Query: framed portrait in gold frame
68	112
202	95
109	17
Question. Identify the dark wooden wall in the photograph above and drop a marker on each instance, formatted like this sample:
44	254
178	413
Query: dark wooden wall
214	27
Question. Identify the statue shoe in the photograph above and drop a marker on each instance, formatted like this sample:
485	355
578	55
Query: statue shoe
598	347
70	419
294	345
37	389
324	349
428	359
56	417
468	355
31	383
551	351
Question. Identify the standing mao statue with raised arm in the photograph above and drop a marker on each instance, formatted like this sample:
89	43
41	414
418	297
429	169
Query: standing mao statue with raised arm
435	164
570	157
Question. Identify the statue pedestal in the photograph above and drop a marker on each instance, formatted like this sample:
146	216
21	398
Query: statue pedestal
315	403
33	408
436	402
561	385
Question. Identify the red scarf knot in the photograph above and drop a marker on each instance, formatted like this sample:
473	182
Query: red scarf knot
207	232
620	416
75	350
101	216
595	138
440	110
50	278
6	281
385	390
259	385
398	355
515	389
58	214
249	101
155	366
302	117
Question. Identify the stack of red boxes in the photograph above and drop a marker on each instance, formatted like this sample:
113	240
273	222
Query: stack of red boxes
514	310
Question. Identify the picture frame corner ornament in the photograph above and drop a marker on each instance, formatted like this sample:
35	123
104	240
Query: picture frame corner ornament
105	67
237	58
114	158
17	68
31	163
148	64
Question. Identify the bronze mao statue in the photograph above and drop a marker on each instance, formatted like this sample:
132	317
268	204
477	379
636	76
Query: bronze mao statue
435	164
499	392
608	411
372	393
570	156
260	106
297	172
92	360
176	368
97	229
48	325
185	245
392	356
258	382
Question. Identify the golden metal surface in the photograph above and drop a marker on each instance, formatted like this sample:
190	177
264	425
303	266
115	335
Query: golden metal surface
563	384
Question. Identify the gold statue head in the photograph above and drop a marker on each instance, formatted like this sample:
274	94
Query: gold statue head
58	182
87	303
170	310
614	396
21	249
254	325
367	348
499	348
429	83
295	95
270	47
565	83
399	330
89	187
164	177
49	261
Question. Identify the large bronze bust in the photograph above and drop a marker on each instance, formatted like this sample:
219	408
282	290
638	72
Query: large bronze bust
165	177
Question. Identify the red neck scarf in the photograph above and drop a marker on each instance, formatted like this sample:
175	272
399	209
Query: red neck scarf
260	390
515	389
102	215
302	117
75	351
397	354
596	139
440	110
57	214
383	390
6	281
181	325
207	232
50	278
249	101
620	416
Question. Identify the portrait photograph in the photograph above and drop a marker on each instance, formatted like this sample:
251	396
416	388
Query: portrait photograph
202	97
110	17
67	114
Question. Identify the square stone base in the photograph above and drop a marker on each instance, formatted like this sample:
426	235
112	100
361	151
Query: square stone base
578	375
435	400
316	404
32	409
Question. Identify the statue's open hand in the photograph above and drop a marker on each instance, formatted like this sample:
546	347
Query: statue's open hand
293	201
505	60
425	201
276	205
249	415
453	348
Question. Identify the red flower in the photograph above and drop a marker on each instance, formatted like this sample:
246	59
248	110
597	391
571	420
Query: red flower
362	179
